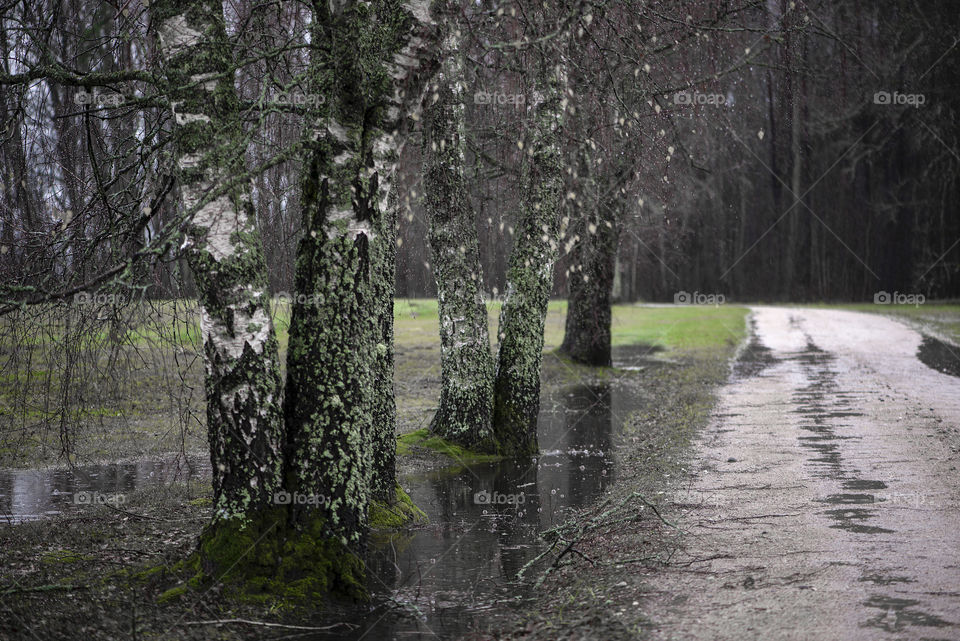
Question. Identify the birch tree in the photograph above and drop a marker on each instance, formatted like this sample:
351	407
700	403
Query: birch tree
530	273
467	368
381	56
243	386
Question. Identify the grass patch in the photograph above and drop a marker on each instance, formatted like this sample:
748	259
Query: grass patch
407	443
63	556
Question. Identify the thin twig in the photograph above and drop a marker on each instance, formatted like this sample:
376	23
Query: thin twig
270	625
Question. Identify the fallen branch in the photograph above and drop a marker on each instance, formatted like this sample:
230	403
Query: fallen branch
265	624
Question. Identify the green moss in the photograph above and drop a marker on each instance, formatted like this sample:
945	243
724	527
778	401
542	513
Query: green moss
401	511
264	560
145	575
172	594
203	501
63	556
423	438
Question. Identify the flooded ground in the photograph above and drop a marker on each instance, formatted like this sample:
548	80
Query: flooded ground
440	579
485	520
27	495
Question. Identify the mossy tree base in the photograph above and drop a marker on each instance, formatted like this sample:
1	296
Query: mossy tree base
423	438
465	421
266	560
398	512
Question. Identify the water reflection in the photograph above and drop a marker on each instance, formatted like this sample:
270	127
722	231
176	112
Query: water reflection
484	520
27	495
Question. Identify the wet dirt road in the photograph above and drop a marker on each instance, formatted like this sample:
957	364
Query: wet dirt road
823	499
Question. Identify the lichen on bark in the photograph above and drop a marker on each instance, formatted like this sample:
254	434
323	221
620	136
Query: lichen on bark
339	415
223	248
530	275
466	398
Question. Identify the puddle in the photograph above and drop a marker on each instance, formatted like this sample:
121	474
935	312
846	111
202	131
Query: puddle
439	581
636	357
854	520
754	357
938	355
899	613
27	495
861	484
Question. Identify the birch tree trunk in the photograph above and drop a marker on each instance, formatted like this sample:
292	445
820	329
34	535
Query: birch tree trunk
530	277
243	387
466	396
339	334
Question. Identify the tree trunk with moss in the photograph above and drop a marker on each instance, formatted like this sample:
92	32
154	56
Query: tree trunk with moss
384	434
530	277
305	544
340	436
587	332
243	386
466	395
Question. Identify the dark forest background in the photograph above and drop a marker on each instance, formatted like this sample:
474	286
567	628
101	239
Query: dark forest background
766	150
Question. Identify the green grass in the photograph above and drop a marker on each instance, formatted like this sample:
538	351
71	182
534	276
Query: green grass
128	407
672	328
686	328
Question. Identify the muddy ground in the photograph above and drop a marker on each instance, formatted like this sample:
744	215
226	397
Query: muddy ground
97	572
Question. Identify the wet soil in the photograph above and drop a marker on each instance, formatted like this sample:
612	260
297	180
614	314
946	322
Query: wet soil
455	576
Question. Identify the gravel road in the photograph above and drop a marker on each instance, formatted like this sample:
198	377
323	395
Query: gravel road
824	500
